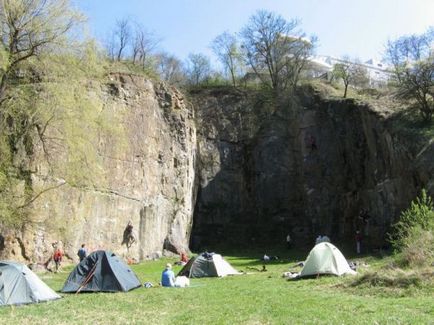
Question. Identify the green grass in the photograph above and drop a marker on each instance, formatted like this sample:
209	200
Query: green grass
256	298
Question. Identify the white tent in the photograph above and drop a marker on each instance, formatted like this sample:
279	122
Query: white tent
325	258
222	267
19	285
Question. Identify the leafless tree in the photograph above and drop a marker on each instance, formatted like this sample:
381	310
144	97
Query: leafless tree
143	44
225	47
199	68
275	49
170	68
120	39
110	46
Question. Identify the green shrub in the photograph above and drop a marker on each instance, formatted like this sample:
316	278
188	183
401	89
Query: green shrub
418	247
413	234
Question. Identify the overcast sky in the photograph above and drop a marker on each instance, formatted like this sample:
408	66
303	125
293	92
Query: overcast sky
358	28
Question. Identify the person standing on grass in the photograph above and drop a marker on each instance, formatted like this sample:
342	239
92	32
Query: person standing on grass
82	252
288	241
57	258
168	277
358	238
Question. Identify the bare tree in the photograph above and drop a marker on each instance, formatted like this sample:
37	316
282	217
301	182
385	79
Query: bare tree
352	73
121	37
225	47
199	68
412	58
170	68
143	44
110	46
275	50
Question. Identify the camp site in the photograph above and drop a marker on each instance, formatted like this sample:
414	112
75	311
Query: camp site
216	162
253	296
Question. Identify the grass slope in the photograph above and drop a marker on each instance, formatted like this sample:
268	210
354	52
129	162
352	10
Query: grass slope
256	298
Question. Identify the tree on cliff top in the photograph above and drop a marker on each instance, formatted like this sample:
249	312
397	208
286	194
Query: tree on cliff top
351	73
412	59
225	47
170	68
198	68
275	50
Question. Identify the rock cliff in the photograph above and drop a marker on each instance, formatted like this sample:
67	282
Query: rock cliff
149	180
308	166
227	167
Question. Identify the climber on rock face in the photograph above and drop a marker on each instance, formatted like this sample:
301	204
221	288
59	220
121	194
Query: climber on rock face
312	142
128	237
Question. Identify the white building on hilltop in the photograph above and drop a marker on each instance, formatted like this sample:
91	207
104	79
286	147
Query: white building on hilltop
378	72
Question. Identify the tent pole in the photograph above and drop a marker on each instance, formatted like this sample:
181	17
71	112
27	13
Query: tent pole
87	279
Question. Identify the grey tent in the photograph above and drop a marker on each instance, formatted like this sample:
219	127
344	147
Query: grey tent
101	271
19	285
207	265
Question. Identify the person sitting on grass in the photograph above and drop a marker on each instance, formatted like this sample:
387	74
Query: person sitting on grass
168	277
184	258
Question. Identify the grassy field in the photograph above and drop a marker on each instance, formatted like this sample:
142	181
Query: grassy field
254	298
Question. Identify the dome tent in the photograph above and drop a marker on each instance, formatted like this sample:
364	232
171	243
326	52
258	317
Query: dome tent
101	271
19	285
207	265
325	258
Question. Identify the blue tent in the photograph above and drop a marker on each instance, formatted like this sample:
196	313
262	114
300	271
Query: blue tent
101	271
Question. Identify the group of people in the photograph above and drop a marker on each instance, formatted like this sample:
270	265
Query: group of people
57	256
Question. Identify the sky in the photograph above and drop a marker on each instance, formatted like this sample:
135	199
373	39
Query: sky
358	28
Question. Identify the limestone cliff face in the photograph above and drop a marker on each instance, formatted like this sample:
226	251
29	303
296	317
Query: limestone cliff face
233	167
149	180
306	167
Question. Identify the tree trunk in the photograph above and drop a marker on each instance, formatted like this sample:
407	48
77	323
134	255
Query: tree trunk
345	91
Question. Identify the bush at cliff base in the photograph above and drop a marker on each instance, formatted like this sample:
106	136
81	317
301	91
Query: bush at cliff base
413	235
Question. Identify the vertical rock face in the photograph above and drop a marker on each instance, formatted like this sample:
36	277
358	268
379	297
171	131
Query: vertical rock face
306	168
256	169
148	180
